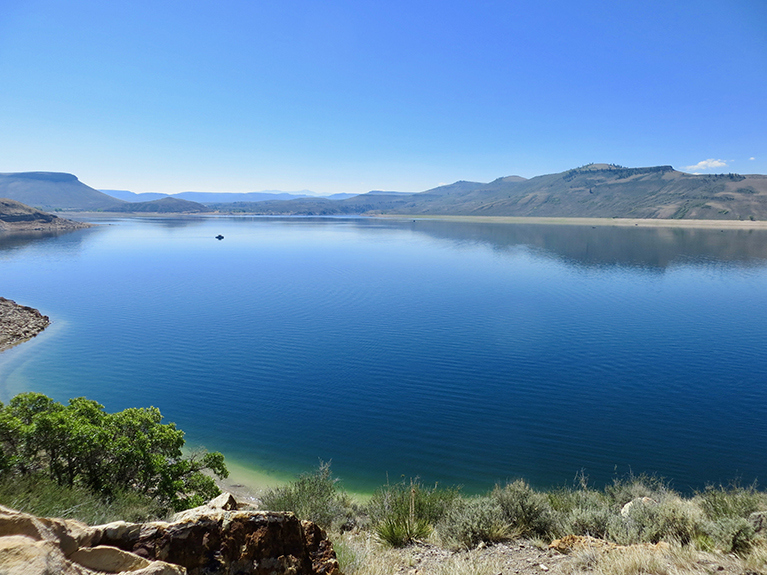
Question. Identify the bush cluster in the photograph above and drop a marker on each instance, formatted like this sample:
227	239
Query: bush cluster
312	496
718	518
110	455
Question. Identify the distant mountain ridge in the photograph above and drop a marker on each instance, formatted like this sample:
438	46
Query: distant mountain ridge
594	190
219	197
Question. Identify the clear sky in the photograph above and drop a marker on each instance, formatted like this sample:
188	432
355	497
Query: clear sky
355	95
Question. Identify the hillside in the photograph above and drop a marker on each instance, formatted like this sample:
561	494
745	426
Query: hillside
15	216
601	190
53	190
596	190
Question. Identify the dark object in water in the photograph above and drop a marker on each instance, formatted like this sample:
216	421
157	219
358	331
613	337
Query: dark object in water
219	237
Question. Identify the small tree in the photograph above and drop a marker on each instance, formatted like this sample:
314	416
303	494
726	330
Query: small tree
81	445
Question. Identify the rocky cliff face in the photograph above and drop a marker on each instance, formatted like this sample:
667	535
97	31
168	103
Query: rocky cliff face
19	323
216	539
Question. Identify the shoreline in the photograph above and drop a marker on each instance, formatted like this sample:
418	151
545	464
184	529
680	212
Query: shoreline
625	222
247	483
562	221
19	323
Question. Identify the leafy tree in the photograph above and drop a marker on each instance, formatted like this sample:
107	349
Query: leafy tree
80	445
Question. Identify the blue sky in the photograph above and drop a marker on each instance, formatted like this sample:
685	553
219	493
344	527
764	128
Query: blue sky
350	96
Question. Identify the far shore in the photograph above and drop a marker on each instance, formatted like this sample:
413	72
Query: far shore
640	222
570	221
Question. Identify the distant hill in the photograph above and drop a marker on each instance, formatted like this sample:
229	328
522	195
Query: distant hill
127	196
216	198
168	205
18	217
54	190
596	190
59	191
226	197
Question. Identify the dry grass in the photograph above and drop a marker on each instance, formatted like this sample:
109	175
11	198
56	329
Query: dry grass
666	560
361	554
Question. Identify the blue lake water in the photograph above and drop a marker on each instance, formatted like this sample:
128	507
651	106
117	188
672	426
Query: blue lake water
461	353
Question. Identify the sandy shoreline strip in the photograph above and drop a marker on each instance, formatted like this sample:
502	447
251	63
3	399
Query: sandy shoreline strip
648	223
18	323
639	222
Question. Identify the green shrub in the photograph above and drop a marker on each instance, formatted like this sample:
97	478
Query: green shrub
471	521
313	496
733	534
596	521
625	489
351	558
731	501
527	512
672	520
403	512
399	532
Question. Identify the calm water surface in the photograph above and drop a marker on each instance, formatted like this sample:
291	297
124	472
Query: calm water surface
462	353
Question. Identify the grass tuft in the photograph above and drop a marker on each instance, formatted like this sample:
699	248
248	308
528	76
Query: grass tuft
313	496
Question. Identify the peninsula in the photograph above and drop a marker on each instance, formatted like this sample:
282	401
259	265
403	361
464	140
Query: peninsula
18	323
18	217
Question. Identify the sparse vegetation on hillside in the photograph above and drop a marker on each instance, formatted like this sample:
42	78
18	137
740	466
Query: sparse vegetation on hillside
631	511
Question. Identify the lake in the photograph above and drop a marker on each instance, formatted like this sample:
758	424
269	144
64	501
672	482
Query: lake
463	353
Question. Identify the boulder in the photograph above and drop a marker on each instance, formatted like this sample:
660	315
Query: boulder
108	559
626	509
215	539
23	555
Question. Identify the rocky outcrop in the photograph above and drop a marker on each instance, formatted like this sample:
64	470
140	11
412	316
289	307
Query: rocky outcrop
216	539
19	323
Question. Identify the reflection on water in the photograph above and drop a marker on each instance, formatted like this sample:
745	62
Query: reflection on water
16	243
643	247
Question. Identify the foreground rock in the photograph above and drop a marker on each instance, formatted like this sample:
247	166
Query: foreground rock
18	217
19	323
216	539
